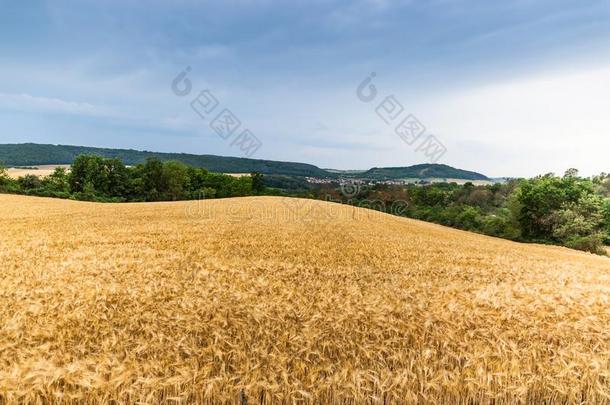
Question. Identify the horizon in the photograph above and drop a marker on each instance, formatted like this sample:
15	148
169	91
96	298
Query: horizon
284	161
508	90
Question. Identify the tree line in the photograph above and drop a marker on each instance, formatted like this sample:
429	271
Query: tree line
566	210
94	178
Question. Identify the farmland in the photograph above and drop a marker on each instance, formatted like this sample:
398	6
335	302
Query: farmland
40	171
271	300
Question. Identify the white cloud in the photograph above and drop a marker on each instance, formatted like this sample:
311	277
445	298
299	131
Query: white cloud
26	102
541	123
36	105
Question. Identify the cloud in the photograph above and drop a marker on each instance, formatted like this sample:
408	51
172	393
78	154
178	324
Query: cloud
541	122
26	102
499	82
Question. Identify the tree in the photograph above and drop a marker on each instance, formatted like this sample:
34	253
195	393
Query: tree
258	183
604	186
154	182
563	210
175	179
540	197
7	184
197	178
100	176
428	196
29	182
479	197
4	179
58	181
87	169
116	177
606	225
469	218
581	225
240	186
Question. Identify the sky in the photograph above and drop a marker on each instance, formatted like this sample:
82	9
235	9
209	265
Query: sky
511	88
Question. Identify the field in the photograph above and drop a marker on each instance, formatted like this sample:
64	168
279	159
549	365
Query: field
46	170
40	171
272	300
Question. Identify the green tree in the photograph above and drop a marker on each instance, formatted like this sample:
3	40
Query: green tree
564	210
103	177
175	180
4	179
58	181
154	180
86	169
540	197
197	178
116	179
29	182
240	186
580	225
258	183
606	221
469	218
428	195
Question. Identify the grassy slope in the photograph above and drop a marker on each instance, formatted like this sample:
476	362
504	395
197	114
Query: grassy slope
289	299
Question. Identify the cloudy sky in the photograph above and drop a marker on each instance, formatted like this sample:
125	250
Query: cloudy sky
511	88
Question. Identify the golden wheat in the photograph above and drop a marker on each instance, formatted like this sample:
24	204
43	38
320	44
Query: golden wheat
272	300
39	171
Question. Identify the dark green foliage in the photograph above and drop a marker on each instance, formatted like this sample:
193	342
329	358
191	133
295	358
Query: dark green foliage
30	154
288	183
542	196
4	179
94	174
153	178
258	183
58	181
606	214
29	182
566	210
176	179
421	171
569	210
36	154
93	178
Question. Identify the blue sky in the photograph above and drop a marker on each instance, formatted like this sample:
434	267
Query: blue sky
511	88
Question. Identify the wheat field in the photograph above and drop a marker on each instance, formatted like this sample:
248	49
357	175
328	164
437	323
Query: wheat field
40	171
276	300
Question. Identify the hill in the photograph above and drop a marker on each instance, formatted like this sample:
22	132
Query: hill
277	300
30	154
421	171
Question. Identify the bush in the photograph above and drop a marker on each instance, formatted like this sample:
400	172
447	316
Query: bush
58	181
593	243
29	182
499	224
469	219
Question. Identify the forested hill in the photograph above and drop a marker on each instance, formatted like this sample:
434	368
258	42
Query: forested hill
421	171
30	154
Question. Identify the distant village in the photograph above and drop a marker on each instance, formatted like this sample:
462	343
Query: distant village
393	182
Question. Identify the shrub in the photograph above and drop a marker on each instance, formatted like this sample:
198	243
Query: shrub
593	243
29	182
